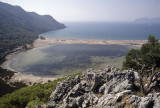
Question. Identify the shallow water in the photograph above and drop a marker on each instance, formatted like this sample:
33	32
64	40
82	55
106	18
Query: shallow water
64	59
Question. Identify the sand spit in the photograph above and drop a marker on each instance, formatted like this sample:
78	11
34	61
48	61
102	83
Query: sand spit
47	41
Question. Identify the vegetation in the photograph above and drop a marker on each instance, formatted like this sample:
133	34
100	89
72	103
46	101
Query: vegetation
41	37
31	95
5	75
10	39
146	61
18	27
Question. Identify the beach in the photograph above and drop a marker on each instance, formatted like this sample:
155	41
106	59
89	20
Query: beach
26	79
31	79
47	41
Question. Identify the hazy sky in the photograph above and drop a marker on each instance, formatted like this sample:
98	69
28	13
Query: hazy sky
92	10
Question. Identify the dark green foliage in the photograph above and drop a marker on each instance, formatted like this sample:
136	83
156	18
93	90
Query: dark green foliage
6	75
41	37
18	27
30	95
131	59
148	54
146	61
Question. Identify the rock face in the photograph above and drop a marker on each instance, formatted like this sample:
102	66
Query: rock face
108	88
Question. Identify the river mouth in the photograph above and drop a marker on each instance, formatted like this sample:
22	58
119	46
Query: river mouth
64	59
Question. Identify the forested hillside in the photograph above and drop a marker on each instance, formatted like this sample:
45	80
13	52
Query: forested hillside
18	27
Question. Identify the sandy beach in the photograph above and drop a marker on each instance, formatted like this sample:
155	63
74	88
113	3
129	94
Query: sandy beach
31	79
27	79
47	41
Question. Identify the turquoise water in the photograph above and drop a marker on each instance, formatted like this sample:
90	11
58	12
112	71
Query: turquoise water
106	30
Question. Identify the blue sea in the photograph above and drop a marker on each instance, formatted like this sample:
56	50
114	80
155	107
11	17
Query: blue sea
106	30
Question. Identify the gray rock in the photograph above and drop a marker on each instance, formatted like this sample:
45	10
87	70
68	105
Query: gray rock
111	99
100	88
51	105
149	101
91	80
156	99
89	100
136	75
122	81
63	88
146	102
134	101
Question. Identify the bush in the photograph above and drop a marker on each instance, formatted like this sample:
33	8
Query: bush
29	96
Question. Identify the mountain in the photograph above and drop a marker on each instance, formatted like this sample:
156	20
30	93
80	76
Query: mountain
31	21
18	27
148	20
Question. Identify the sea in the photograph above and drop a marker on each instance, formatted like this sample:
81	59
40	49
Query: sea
57	60
106	30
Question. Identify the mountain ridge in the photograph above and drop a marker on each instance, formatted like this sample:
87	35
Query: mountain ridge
19	27
148	20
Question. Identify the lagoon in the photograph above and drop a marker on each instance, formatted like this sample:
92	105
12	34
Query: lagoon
64	59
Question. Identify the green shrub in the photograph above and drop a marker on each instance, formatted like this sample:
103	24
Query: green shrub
29	96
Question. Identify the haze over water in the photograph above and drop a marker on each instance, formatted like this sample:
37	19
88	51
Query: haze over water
106	30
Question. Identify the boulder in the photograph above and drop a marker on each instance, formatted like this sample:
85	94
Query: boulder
149	101
110	100
62	88
120	82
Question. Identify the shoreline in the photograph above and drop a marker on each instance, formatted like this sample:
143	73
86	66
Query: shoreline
31	79
27	79
47	41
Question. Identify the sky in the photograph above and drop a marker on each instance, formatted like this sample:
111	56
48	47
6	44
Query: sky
92	10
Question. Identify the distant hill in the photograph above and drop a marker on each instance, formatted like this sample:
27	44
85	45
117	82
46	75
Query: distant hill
18	27
148	20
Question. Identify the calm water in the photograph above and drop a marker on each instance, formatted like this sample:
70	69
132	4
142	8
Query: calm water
60	59
106	30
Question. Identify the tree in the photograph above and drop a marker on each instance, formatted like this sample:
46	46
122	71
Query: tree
146	61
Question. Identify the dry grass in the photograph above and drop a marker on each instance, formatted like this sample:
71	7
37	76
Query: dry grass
139	93
126	100
98	95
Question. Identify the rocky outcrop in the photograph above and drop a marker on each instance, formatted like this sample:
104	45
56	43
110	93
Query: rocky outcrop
108	88
149	101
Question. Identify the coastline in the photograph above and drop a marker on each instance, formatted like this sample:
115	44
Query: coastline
19	77
47	41
31	79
